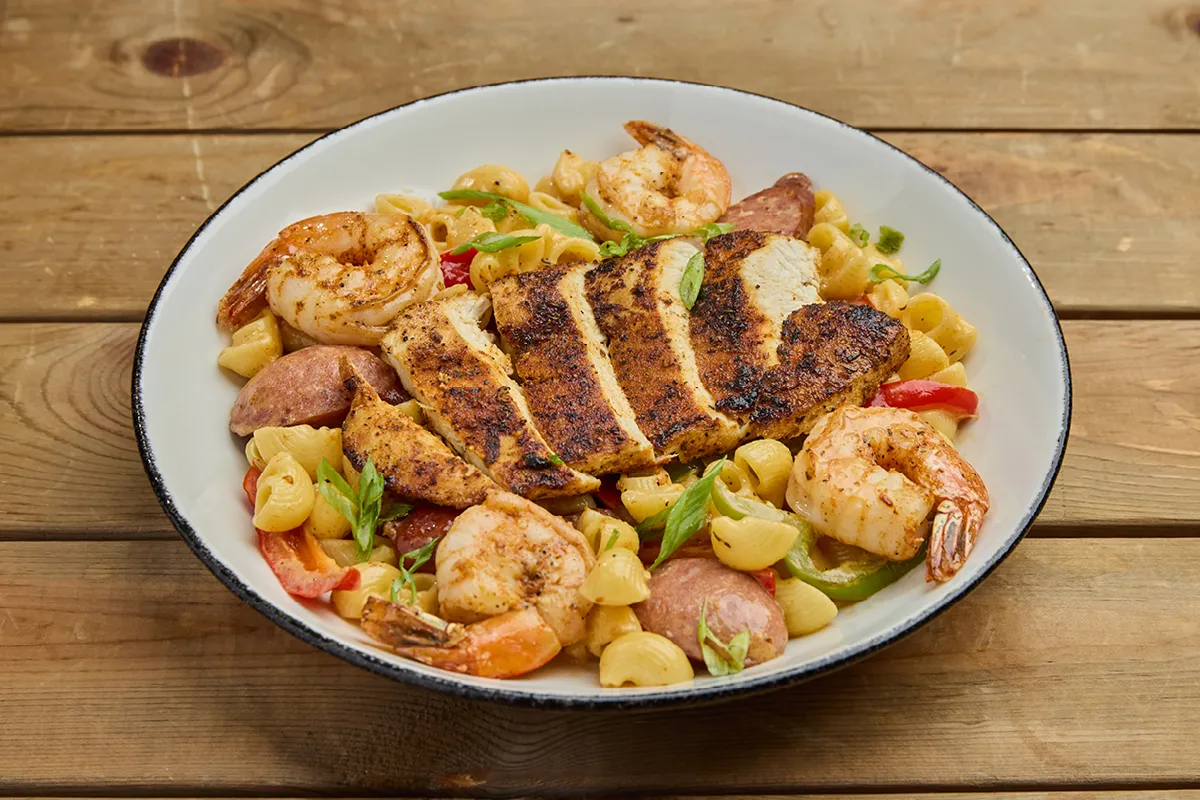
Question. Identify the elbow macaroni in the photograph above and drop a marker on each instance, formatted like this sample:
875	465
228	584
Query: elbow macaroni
253	346
806	609
644	659
618	579
767	465
750	543
605	624
285	495
307	444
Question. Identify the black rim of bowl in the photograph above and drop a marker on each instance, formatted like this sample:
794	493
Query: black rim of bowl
697	694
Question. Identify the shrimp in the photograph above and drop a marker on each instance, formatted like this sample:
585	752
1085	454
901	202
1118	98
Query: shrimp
339	278
871	477
508	578
669	185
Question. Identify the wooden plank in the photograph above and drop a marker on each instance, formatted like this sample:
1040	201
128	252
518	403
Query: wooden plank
266	63
88	225
64	389
1077	660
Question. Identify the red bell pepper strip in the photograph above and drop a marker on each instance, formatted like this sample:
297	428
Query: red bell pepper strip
250	483
456	269
608	494
767	578
926	395
303	568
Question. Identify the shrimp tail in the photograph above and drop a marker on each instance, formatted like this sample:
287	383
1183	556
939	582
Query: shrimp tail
648	133
247	298
951	538
503	646
401	626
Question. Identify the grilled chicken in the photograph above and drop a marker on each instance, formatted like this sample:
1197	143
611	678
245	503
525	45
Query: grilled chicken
414	463
832	354
454	369
637	305
560	357
752	282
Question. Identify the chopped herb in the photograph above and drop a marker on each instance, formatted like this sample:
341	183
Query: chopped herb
706	232
890	240
361	508
395	511
492	242
882	272
693	276
605	220
555	459
419	557
719	657
612	540
495	211
688	514
535	216
650	523
860	235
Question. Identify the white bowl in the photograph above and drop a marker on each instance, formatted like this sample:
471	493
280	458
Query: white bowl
181	400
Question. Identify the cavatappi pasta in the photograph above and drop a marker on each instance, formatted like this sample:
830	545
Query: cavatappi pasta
331	530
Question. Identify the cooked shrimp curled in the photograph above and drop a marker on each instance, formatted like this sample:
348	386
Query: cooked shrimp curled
339	278
668	185
871	477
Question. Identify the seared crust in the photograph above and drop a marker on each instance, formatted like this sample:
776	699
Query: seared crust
787	207
414	463
636	302
832	354
752	281
452	367
565	373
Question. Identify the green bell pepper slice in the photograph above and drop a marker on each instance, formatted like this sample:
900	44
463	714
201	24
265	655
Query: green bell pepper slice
850	581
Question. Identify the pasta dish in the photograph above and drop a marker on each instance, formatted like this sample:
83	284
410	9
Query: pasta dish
613	418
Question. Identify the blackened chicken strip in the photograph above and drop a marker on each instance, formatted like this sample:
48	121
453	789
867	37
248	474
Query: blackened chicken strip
832	354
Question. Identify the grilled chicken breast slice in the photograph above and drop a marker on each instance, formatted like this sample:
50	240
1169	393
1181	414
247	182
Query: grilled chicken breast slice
414	463
637	305
832	354
752	282
455	370
547	325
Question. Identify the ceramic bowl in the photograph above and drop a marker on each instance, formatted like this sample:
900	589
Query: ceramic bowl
181	400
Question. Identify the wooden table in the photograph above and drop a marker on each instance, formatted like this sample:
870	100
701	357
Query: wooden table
127	669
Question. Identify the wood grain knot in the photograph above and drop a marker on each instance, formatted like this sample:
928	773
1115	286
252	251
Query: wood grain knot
181	57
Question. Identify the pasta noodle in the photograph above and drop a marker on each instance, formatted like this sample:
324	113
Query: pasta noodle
845	269
944	422
750	543
933	316
925	358
285	495
325	521
767	465
549	249
605	624
644	659
890	297
253	346
618	579
571	175
806	609
496	179
414	207
643	504
953	375
828	210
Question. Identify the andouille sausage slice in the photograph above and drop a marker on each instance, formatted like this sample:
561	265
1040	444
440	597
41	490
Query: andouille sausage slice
733	602
787	207
305	388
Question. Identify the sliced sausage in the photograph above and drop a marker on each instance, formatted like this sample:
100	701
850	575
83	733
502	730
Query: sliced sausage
787	207
425	523
305	387
733	602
